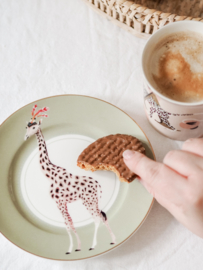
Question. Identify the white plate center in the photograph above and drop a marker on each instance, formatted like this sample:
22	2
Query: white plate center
63	151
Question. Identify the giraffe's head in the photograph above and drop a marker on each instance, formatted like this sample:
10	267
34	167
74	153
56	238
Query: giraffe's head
32	126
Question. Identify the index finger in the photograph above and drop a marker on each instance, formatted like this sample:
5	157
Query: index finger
148	169
154	175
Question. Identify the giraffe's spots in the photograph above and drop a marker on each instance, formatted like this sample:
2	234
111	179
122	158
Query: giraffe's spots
69	183
89	191
48	169
71	194
71	175
52	173
75	192
73	186
52	178
52	195
60	184
90	177
40	148
90	182
64	173
64	169
61	195
57	190
40	144
64	180
55	174
52	168
40	162
88	185
78	188
47	164
43	160
41	140
58	171
56	182
96	182
43	167
85	180
82	184
84	189
60	177
66	195
70	198
40	155
66	176
77	177
47	175
96	186
51	191
56	196
67	189
52	185
44	152
43	145
45	157
76	183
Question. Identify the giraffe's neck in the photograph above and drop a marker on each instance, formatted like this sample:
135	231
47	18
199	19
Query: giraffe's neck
44	160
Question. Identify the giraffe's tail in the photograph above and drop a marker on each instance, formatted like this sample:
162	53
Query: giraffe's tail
104	215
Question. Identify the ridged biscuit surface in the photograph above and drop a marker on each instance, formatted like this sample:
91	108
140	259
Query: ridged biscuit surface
106	154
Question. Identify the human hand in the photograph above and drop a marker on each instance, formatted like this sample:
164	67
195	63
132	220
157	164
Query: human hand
177	183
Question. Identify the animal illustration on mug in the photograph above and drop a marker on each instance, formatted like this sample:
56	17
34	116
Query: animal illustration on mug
157	113
65	187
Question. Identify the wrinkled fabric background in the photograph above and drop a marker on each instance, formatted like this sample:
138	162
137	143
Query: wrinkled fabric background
50	47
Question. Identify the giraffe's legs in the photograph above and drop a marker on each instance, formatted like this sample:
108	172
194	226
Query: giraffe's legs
97	222
69	226
98	216
71	242
110	231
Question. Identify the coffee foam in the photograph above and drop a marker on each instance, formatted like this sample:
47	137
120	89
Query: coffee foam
176	66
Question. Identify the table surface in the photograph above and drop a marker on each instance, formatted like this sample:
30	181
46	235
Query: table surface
50	47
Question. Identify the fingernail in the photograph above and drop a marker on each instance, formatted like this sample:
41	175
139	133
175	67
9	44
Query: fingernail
128	154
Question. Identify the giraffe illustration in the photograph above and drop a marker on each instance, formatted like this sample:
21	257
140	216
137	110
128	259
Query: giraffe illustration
65	187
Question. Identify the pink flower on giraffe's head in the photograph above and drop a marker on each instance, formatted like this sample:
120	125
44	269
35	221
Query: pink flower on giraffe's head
37	114
32	126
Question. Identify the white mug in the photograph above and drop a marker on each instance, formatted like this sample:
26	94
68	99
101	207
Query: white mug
174	119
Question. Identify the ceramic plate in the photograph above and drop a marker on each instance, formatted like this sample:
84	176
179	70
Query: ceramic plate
37	180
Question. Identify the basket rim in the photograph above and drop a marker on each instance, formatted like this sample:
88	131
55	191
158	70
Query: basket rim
146	11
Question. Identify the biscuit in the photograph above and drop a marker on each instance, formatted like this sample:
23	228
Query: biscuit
106	153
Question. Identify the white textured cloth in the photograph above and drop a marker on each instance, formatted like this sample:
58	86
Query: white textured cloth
53	47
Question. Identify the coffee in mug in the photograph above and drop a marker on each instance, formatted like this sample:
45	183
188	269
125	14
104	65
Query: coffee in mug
176	66
172	63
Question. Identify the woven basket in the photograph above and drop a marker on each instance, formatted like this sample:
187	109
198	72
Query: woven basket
144	17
